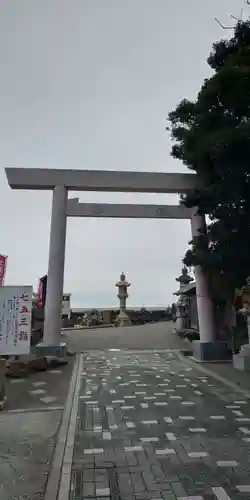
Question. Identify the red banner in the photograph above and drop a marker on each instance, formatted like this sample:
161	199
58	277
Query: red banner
39	298
3	265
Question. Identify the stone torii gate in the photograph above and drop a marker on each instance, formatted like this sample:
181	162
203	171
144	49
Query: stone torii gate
62	181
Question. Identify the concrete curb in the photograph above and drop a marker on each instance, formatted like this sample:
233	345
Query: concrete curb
53	483
221	379
64	489
87	328
39	409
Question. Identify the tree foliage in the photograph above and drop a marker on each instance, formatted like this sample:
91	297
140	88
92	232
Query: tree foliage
212	138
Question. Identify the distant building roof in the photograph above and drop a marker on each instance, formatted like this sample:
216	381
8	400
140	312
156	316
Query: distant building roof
185	288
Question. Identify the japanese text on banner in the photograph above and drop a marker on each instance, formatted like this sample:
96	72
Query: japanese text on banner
24	318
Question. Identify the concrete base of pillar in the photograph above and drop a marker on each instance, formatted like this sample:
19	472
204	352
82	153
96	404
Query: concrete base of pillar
57	350
211	351
241	361
123	319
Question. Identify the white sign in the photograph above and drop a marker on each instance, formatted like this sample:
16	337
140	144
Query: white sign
66	305
15	320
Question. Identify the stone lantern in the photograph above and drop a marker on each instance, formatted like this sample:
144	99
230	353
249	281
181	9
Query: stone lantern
182	304
122	285
184	278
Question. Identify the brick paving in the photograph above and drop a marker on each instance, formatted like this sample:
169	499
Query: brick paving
152	427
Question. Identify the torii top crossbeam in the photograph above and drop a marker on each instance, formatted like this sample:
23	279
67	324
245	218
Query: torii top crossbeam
101	180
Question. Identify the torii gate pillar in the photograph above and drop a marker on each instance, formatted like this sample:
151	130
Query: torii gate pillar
52	344
207	348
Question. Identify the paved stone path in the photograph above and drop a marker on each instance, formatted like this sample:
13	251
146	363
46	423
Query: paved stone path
150	427
39	390
152	335
27	442
29	426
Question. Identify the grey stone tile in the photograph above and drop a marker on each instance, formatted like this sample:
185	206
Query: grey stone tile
102	492
48	399
243	488
220	493
37	392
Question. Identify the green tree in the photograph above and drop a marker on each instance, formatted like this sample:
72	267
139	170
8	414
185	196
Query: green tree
212	138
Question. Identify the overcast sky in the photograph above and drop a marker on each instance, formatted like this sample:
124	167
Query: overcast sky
88	84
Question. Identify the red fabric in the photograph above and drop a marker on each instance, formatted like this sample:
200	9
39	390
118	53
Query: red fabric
3	265
39	299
